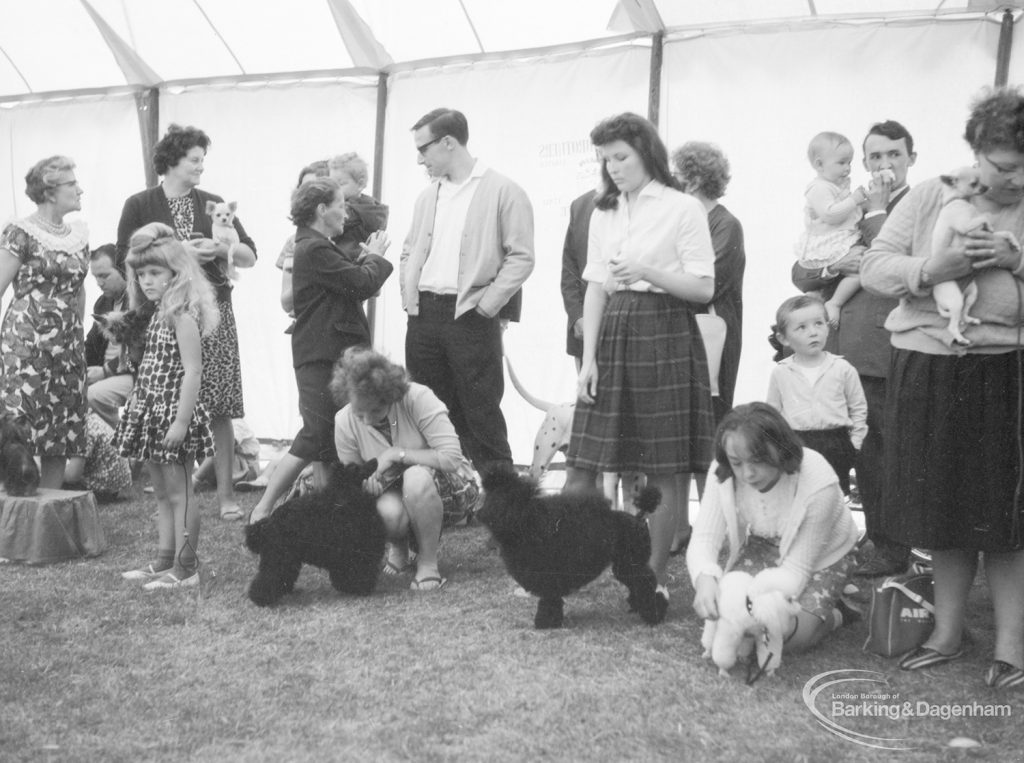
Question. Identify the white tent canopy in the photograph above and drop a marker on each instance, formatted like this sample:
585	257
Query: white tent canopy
277	84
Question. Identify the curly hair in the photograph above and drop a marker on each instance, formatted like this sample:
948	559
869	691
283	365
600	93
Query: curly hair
641	135
308	196
155	244
45	175
366	374
353	165
997	120
703	168
176	144
768	436
319	169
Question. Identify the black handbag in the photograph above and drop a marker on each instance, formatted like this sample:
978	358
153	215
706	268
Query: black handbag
902	613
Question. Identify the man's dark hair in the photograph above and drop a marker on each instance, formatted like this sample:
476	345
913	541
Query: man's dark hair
892	130
444	122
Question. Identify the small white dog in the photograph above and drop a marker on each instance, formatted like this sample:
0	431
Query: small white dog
222	215
750	617
958	217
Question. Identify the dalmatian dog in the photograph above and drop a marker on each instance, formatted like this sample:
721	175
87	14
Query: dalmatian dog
553	436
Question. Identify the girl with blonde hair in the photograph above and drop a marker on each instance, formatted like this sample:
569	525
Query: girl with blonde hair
164	422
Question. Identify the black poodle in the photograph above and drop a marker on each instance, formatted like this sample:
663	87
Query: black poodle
337	529
555	544
18	470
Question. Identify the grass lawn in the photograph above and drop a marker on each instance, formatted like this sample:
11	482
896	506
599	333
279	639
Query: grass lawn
94	669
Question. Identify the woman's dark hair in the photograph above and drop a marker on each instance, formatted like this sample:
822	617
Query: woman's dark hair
704	166
364	373
318	168
175	144
769	439
308	196
643	138
997	120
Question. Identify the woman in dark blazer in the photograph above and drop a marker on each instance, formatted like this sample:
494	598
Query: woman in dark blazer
328	290
177	202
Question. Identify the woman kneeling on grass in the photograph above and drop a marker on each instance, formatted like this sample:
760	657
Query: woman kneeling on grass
777	505
423	481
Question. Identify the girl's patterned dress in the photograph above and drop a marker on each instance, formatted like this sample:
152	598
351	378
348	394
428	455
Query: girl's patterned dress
42	344
153	405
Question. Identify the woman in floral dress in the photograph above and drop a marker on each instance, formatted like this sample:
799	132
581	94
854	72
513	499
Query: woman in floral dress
42	343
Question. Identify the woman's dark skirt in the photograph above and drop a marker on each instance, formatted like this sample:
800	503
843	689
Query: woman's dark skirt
652	411
953	458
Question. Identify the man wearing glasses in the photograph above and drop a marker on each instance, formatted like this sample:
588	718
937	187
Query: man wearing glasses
862	338
468	252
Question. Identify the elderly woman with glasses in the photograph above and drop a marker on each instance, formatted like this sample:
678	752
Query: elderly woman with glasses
955	470
42	343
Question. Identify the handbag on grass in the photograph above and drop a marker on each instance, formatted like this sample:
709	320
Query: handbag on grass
902	613
712	331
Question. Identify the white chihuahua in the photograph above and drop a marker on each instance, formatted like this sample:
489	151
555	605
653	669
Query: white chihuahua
958	217
222	215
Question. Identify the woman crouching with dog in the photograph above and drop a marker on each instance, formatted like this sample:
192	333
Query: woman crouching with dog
778	507
423	482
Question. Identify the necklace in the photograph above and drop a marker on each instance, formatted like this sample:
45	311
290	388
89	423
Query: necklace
57	229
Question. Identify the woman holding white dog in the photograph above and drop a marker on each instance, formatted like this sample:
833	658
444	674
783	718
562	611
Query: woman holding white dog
423	481
779	509
954	473
177	202
644	393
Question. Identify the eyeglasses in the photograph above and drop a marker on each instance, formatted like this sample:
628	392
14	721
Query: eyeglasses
1002	170
423	149
66	182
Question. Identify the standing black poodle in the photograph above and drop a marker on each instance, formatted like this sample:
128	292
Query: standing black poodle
555	544
337	529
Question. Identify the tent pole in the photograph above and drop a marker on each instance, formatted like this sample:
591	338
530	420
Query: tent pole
1003	51
147	106
378	169
654	87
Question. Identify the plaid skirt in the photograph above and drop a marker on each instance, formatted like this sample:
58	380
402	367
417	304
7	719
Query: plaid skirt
953	468
823	589
652	412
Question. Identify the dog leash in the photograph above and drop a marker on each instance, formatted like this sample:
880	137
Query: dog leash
752	675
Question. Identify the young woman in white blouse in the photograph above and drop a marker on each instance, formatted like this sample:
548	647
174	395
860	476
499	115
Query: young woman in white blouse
644	391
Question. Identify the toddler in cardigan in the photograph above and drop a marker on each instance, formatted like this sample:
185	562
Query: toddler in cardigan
831	215
818	393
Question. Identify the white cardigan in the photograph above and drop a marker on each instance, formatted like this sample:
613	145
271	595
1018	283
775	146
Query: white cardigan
816	532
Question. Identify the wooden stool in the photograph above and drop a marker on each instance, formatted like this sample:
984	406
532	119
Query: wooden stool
51	526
